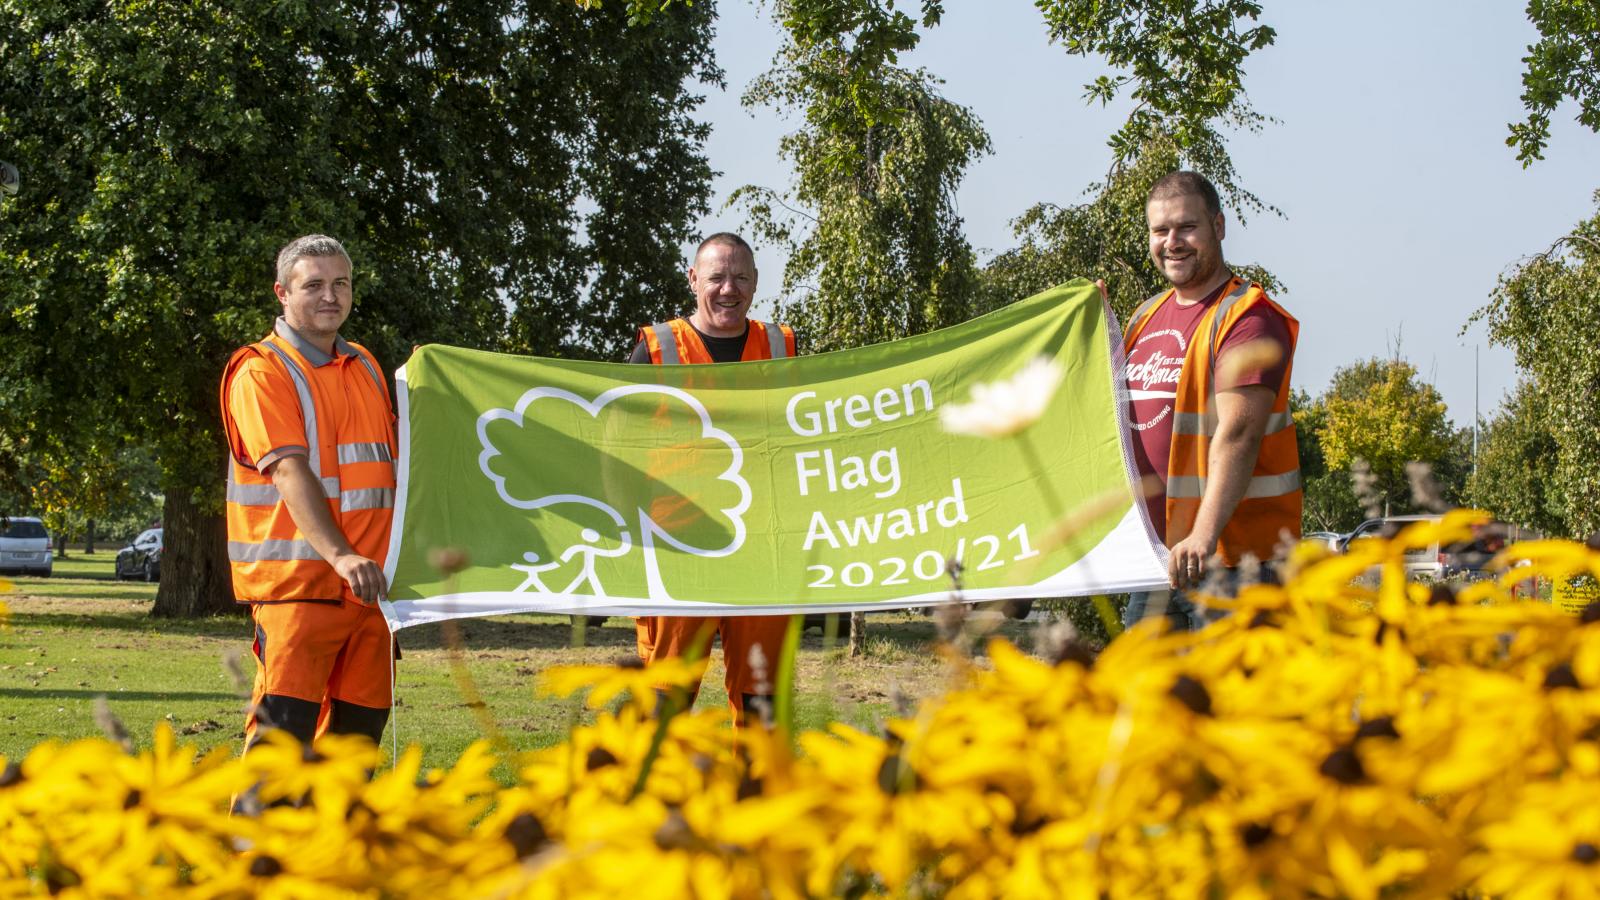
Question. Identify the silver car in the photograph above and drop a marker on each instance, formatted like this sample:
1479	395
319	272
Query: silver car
25	546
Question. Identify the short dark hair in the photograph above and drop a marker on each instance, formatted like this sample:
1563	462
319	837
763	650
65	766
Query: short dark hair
727	239
1184	184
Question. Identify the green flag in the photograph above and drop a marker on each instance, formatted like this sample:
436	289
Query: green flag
981	462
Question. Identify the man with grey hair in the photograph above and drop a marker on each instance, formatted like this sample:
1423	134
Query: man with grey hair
723	281
311	483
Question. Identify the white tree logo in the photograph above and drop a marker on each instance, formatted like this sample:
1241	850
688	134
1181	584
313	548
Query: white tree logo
560	453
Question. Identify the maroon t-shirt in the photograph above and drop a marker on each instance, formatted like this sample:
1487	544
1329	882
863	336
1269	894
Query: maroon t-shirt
1153	367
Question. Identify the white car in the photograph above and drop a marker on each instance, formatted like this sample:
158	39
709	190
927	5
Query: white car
24	546
1333	540
1423	562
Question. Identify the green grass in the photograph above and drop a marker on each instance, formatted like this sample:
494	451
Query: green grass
86	576
81	634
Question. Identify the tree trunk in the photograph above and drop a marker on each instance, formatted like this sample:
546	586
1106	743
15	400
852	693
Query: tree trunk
88	538
195	580
858	633
61	544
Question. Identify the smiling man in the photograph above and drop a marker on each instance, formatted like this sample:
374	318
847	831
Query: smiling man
720	330
1208	381
311	481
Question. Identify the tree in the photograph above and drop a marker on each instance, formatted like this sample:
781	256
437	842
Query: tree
1564	64
874	241
1378	412
1511	480
1451	472
77	486
1106	235
1547	310
1184	70
1185	62
173	146
1329	502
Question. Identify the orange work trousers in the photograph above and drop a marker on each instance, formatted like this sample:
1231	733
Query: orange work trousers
666	637
321	652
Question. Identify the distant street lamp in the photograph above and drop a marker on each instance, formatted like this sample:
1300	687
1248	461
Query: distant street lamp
9	179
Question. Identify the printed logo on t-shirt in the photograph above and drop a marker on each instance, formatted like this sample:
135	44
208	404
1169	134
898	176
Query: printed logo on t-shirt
1152	373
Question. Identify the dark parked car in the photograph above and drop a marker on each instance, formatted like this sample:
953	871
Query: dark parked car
142	559
1468	559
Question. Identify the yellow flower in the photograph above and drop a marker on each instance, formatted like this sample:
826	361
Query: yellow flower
1556	560
1546	845
640	683
1377	738
335	766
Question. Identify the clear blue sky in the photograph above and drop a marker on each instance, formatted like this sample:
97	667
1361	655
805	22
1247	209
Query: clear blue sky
1401	202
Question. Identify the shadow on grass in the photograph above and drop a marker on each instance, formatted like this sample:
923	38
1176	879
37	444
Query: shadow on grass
119	696
88	590
514	634
889	635
97	566
902	633
92	571
141	623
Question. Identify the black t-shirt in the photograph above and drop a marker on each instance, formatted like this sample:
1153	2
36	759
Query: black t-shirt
721	349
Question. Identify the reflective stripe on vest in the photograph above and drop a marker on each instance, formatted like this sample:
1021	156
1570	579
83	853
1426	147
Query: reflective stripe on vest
667	343
368	498
376	378
1193	487
273	549
775	340
250	494
1145	308
308	407
267	494
1206	423
1217	317
373	451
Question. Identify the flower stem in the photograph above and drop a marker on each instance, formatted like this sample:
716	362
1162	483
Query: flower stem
1102	604
668	705
783	701
1035	463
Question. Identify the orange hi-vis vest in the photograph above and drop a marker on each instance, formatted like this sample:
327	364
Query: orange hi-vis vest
1272	501
675	342
352	455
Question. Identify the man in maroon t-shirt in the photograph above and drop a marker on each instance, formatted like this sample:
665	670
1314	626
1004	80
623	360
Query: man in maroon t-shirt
1186	231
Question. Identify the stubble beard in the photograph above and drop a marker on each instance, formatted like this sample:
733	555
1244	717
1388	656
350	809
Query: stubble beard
716	319
1204	270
